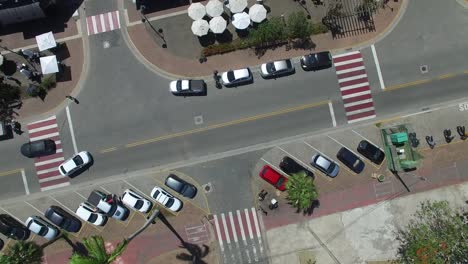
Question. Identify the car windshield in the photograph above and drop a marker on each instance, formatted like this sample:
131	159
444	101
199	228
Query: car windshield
138	204
170	202
230	76
92	218
270	67
331	167
280	182
43	231
78	160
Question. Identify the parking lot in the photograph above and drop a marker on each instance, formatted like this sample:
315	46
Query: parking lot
113	229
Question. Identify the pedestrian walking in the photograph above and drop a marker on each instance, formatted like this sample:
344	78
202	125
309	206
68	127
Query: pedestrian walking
72	99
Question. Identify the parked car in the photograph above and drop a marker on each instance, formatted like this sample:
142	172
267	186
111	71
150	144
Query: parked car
188	87
351	160
91	214
237	77
181	186
290	166
108	204
63	219
136	201
41	227
75	164
165	198
370	151
12	228
2	244
276	68
38	148
325	165
316	61
273	177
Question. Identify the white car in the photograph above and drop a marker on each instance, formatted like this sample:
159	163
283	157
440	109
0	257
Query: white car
237	77
135	201
165	198
89	213
75	163
277	68
41	227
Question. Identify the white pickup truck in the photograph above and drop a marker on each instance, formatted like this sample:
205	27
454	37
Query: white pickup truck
108	205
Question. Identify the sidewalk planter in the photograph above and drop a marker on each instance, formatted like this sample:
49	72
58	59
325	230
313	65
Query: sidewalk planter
381	178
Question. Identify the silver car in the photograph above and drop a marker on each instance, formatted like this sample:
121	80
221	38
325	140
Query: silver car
277	68
325	165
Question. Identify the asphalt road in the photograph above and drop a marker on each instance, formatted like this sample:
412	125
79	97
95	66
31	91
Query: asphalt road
127	110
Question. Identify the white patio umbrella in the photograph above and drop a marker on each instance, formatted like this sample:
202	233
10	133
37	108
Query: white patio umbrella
200	27
214	8
1	60
218	25
237	6
241	20
196	11
46	41
257	13
49	64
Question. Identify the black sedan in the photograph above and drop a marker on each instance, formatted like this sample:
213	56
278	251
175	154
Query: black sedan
63	219
351	160
277	68
181	186
316	61
371	152
291	166
12	228
38	148
188	87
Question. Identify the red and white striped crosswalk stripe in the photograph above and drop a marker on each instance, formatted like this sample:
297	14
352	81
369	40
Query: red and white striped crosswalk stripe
354	86
47	166
103	22
229	227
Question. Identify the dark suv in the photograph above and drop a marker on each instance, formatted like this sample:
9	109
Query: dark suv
181	186
371	152
38	148
12	228
291	166
63	219
350	160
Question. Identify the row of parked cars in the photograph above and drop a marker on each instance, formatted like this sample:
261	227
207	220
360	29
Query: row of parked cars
273	69
96	210
323	164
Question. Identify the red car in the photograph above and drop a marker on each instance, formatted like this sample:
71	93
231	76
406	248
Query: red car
273	177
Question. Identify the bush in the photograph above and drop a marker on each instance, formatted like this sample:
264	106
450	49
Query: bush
268	32
298	26
48	83
318	28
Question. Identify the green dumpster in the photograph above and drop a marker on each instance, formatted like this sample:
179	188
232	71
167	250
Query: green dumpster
399	138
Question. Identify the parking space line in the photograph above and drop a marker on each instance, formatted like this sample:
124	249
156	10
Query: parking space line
81	195
332	113
139	191
34	207
105	190
359	155
380	165
275	168
321	153
305	165
130	218
25	182
12	215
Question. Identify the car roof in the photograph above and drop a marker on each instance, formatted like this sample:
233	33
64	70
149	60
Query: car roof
271	174
323	162
129	196
241	73
280	65
175	182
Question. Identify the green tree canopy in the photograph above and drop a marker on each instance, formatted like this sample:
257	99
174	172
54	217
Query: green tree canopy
436	234
97	252
268	32
22	252
8	94
298	26
301	190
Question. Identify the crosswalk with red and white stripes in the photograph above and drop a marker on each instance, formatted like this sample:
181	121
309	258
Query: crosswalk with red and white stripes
47	166
239	236
354	86
103	22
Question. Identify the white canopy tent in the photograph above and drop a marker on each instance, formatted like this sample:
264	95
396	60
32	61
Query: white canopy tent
49	64
218	25
241	20
237	6
200	27
46	41
257	13
214	8
196	11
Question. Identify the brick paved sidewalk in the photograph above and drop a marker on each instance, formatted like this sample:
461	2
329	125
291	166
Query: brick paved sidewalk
150	47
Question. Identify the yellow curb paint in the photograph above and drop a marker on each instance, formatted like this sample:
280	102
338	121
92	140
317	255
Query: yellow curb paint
10	172
387	120
108	150
404	85
446	76
226	124
465	72
198	186
130	218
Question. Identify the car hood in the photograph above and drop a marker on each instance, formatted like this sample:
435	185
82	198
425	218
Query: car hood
335	171
224	77
176	205
173	86
263	68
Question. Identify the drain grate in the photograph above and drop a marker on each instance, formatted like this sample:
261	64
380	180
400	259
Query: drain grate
106	44
198	120
207	187
424	69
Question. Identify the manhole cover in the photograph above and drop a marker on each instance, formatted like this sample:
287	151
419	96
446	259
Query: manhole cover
198	120
106	44
207	188
424	68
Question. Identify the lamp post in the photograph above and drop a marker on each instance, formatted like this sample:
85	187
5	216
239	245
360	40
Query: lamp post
159	32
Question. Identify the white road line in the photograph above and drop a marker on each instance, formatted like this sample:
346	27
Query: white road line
355	94
352	78
347	62
93	19
52	178
297	159
111	23
79	194
365	101
257	228
358	68
48	161
25	182
33	207
62	204
362	110
137	189
47	170
249	226
105	190
58	142
218	232
332	113
241	225
55	186
118	18
377	66
361	119
233	227
346	54
353	86
355	132
226	231
362	158
72	133
44	136
43	120
42	128
275	168
311	146
12	215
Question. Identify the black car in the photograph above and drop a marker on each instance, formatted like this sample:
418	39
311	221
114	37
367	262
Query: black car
371	152
38	148
63	219
290	166
188	87
181	186
316	61
350	160
12	228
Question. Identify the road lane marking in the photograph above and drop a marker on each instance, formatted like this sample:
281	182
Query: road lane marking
108	150
332	113
25	182
241	226
34	207
249	226
446	76
275	168
10	172
218	232
233	227
377	66
79	194
404	85
72	132
225	227
257	228
226	124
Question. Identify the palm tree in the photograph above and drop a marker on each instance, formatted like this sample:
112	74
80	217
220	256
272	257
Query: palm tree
97	252
23	252
301	191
